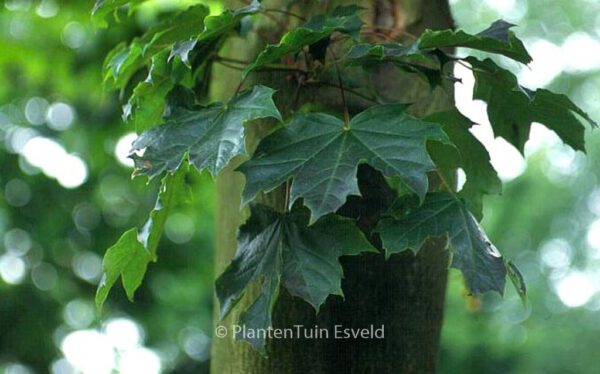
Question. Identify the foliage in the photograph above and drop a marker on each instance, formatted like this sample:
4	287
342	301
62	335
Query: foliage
284	248
210	137
443	215
314	156
321	154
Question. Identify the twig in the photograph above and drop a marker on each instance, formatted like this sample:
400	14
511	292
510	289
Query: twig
282	68
342	93
226	64
461	62
234	60
356	93
279	22
239	87
378	34
287	13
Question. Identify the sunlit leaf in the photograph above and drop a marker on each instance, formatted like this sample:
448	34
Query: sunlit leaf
103	8
147	102
126	259
516	278
129	257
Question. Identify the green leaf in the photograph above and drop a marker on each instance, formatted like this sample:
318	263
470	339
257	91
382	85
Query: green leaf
182	50
342	19
183	26
102	8
172	190
406	57
189	29
322	155
213	28
442	214
121	63
512	108
274	249
496	39
473	158
127	259
516	278
146	105
557	112
211	136
424	58
222	23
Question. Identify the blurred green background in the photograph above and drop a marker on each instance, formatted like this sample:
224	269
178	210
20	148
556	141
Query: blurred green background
66	195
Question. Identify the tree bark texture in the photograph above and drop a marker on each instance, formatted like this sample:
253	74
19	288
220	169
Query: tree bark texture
405	293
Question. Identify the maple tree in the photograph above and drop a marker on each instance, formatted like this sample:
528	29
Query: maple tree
314	153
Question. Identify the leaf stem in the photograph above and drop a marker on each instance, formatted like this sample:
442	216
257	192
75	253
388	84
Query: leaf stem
342	92
445	183
239	87
287	196
227	61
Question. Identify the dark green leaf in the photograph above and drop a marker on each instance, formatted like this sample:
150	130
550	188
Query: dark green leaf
365	53
496	39
441	215
408	58
557	112
322	155
512	108
473	158
508	102
211	136
214	28
281	248
343	19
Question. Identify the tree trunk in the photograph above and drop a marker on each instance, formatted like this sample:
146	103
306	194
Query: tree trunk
405	294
